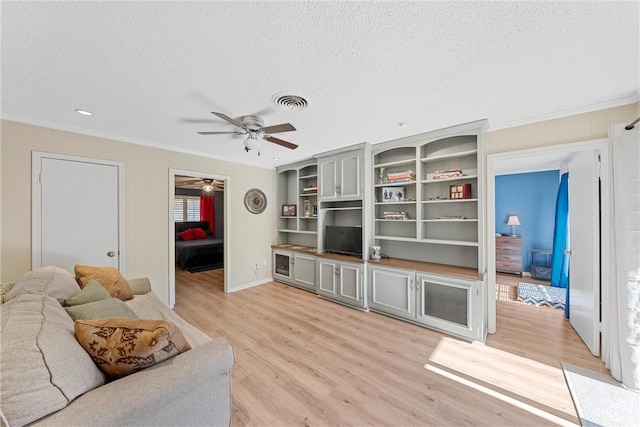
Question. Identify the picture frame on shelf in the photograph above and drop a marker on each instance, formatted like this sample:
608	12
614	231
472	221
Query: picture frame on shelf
392	194
289	210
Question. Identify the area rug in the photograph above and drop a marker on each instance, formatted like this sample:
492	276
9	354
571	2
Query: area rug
201	268
542	295
599	399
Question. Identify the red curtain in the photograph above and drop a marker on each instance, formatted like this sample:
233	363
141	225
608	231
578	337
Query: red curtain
208	212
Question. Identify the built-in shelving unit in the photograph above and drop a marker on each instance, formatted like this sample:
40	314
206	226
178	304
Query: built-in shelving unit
427	169
298	185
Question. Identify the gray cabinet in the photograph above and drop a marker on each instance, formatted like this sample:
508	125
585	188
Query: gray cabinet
450	304
304	271
341	281
341	176
392	291
294	268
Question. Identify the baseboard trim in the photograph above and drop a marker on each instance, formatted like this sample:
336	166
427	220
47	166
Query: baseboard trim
250	285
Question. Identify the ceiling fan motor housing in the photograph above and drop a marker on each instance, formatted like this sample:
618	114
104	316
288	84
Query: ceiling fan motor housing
254	123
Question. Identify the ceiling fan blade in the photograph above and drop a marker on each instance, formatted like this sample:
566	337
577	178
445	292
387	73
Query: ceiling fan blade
282	142
219	133
229	119
283	127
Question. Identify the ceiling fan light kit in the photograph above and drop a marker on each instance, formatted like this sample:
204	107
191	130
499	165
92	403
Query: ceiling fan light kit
253	127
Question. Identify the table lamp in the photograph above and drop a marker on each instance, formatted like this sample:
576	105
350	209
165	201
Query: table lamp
513	221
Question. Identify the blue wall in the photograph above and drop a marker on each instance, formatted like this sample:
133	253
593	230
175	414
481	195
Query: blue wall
531	196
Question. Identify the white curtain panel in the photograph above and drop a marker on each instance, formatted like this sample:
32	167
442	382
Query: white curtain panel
621	308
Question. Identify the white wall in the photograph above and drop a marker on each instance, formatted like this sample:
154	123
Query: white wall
249	237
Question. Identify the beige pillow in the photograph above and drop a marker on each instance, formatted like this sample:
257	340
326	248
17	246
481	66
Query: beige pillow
123	346
109	277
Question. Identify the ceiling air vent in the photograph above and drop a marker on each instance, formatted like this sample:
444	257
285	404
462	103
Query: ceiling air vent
291	102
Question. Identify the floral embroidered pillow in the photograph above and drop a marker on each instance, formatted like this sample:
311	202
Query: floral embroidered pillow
120	347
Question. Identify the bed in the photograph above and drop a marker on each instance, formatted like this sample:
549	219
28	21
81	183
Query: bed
201	254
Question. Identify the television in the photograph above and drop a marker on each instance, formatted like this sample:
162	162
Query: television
343	240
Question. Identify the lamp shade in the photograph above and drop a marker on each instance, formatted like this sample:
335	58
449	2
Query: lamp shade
252	142
513	220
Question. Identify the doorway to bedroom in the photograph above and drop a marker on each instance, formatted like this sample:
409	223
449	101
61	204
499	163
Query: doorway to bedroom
197	229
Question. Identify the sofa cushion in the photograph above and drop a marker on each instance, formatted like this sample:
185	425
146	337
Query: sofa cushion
43	367
109	277
111	307
121	346
53	281
92	292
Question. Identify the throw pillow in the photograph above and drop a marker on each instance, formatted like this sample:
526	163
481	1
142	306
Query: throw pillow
121	347
53	281
104	309
92	292
199	233
109	277
187	234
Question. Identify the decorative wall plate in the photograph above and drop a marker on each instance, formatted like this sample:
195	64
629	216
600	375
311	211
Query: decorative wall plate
255	201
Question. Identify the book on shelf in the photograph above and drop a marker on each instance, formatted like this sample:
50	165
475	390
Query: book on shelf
403	174
312	189
393	181
452	217
395	215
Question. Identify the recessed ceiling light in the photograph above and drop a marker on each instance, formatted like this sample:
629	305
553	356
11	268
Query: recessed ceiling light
276	158
83	112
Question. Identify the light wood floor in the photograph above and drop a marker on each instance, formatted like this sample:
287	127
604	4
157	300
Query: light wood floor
301	360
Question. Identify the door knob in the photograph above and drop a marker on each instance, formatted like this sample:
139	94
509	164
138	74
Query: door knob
111	254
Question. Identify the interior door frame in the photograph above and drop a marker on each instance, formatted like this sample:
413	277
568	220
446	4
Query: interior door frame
172	234
36	207
605	217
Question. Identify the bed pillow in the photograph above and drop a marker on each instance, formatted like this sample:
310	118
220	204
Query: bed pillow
122	346
92	292
199	233
187	234
103	309
109	277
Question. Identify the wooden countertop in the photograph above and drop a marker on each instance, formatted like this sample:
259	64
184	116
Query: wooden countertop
420	266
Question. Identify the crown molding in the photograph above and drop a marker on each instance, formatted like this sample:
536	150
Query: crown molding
119	138
610	103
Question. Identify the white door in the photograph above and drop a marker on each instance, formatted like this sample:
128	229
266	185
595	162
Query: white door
78	212
584	244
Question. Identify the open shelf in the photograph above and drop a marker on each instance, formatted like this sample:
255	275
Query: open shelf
449	156
457	178
449	201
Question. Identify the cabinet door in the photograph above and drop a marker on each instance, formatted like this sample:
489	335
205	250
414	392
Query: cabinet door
392	291
350	176
328	176
282	266
326	271
304	271
449	304
350	286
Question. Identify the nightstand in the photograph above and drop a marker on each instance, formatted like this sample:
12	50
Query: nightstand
509	254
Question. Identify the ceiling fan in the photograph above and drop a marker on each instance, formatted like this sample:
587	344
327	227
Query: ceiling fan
253	127
207	185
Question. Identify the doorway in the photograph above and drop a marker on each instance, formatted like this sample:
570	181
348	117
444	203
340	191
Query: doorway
197	227
537	159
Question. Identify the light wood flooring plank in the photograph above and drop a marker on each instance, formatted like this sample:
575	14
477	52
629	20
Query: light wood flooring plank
302	360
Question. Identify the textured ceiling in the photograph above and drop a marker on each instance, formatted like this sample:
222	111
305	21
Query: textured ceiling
152	71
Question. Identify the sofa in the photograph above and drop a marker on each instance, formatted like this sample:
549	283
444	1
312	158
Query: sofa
48	379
